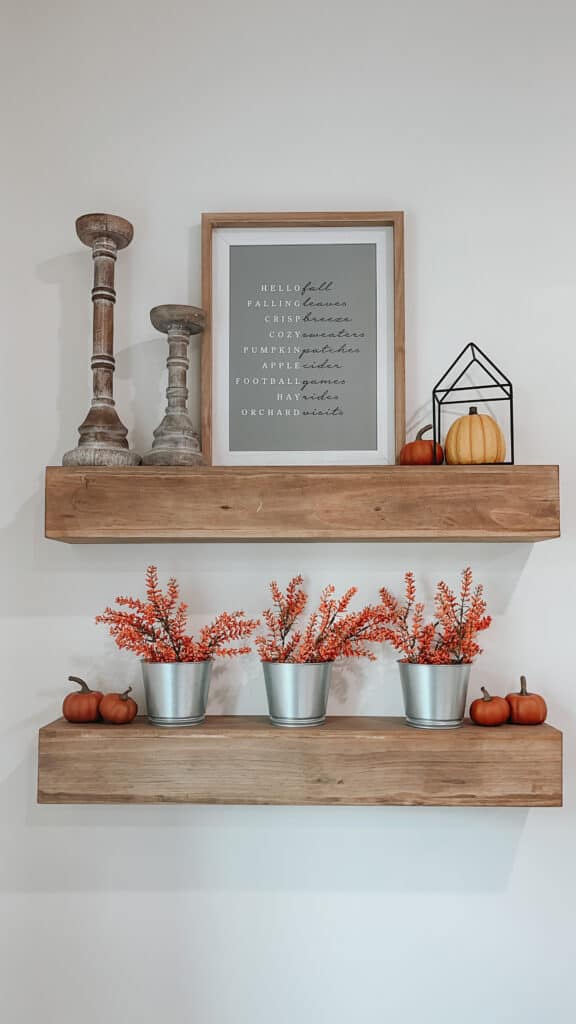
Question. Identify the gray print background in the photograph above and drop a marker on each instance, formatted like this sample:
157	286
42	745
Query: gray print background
308	407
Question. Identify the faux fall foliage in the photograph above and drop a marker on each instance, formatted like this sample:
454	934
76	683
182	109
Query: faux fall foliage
155	629
449	638
332	631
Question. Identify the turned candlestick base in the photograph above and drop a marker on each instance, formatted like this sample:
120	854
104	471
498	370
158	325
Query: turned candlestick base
103	436
100	455
175	439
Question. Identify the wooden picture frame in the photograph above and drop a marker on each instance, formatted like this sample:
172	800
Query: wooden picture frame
212	222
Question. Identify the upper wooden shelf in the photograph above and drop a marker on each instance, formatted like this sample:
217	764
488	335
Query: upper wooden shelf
245	760
480	503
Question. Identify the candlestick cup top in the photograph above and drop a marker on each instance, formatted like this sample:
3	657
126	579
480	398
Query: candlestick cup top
190	319
104	225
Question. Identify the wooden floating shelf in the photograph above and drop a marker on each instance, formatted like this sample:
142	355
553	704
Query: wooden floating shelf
245	760
459	503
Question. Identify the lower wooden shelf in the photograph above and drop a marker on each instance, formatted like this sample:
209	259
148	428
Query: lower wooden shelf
245	760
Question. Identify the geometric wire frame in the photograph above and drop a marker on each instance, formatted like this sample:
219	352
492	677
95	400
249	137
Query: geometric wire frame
501	388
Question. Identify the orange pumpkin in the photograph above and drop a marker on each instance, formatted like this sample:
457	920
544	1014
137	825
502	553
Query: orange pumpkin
527	708
83	705
489	710
118	708
421	453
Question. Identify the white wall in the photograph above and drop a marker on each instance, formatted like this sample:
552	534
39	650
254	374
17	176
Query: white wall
462	114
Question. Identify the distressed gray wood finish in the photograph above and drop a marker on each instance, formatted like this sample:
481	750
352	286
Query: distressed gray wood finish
103	436
176	442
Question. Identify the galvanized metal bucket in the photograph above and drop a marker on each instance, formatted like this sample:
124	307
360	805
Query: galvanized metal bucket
434	695
176	691
297	694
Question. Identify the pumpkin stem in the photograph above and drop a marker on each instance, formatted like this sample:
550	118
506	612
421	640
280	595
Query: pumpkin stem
473	410
487	696
523	689
124	696
424	430
84	688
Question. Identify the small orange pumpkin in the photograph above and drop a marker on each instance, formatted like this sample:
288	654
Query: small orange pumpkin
421	453
118	708
489	710
527	708
83	705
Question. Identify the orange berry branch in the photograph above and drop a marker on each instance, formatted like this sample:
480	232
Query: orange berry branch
448	640
155	629
331	631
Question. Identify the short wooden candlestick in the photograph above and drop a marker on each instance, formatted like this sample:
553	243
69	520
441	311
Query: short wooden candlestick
175	440
103	436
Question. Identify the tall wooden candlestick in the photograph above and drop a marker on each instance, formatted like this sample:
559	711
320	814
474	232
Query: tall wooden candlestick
103	436
175	440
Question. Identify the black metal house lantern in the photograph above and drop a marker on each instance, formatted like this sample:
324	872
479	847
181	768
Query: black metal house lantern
493	386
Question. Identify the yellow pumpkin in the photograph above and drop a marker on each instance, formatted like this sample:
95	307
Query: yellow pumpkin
474	440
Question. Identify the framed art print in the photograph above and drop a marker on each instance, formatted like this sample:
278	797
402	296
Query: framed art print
303	356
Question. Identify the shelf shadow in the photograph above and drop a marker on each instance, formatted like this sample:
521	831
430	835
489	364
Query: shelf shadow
282	849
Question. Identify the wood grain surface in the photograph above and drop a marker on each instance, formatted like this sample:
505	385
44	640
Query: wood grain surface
484	503
245	760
